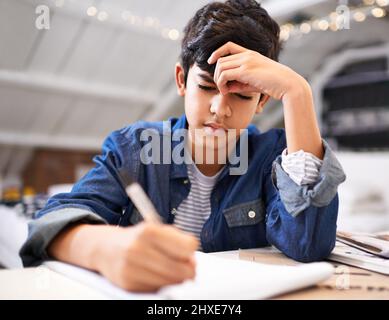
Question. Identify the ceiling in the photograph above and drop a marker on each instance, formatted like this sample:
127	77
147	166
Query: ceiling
69	86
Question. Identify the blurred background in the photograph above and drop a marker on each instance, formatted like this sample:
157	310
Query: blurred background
71	71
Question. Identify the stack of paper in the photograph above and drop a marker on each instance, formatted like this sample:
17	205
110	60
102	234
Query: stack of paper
352	256
377	244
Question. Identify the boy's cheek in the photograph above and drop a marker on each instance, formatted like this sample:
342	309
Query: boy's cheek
193	116
197	107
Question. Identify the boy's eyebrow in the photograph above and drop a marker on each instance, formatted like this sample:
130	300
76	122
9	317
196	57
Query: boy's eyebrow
206	77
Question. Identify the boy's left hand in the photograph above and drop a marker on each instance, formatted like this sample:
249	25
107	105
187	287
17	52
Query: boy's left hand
240	70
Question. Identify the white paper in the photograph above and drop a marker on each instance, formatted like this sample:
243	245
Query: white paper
219	278
216	278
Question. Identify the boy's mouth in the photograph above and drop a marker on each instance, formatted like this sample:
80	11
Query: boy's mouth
213	128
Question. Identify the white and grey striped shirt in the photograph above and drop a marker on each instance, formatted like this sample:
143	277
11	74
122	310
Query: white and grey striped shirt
192	213
302	167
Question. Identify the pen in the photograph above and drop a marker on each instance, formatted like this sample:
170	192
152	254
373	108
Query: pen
142	202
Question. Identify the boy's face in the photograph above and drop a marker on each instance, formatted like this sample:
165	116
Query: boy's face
210	112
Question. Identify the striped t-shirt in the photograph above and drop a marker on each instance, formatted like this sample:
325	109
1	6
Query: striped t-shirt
192	213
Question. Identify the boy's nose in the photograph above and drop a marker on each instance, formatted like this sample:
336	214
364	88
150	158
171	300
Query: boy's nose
220	106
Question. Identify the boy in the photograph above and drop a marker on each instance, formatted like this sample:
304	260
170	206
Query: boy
285	196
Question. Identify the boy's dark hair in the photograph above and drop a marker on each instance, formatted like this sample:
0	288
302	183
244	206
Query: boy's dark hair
243	22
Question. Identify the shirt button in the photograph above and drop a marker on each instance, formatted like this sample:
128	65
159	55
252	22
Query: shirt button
251	214
186	181
174	211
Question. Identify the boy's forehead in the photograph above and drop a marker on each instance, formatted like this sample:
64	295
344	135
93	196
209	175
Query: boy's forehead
199	73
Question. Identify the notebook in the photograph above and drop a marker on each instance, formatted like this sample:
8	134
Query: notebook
216	278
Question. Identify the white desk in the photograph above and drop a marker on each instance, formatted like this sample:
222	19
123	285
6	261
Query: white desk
42	283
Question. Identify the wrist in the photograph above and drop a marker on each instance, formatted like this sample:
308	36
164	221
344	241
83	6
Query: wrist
298	90
100	247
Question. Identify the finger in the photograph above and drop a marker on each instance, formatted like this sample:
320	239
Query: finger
173	242
232	57
240	58
225	77
145	280
150	277
224	50
170	269
223	66
193	262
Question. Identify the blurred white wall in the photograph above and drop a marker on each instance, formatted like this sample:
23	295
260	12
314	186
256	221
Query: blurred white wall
364	196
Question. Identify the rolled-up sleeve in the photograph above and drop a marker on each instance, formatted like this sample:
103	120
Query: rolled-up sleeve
297	198
43	230
98	198
301	220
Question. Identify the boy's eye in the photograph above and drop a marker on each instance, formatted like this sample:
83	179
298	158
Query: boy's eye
243	97
206	88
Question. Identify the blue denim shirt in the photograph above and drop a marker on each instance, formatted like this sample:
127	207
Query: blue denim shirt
259	208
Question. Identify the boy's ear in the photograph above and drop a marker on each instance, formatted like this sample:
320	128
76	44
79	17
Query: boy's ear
180	79
261	104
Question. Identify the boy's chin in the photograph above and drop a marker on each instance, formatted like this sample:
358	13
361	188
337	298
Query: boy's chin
212	139
215	143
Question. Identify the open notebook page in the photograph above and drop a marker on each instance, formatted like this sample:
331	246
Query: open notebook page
216	278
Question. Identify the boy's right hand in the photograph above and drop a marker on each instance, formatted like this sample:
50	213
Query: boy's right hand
147	256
